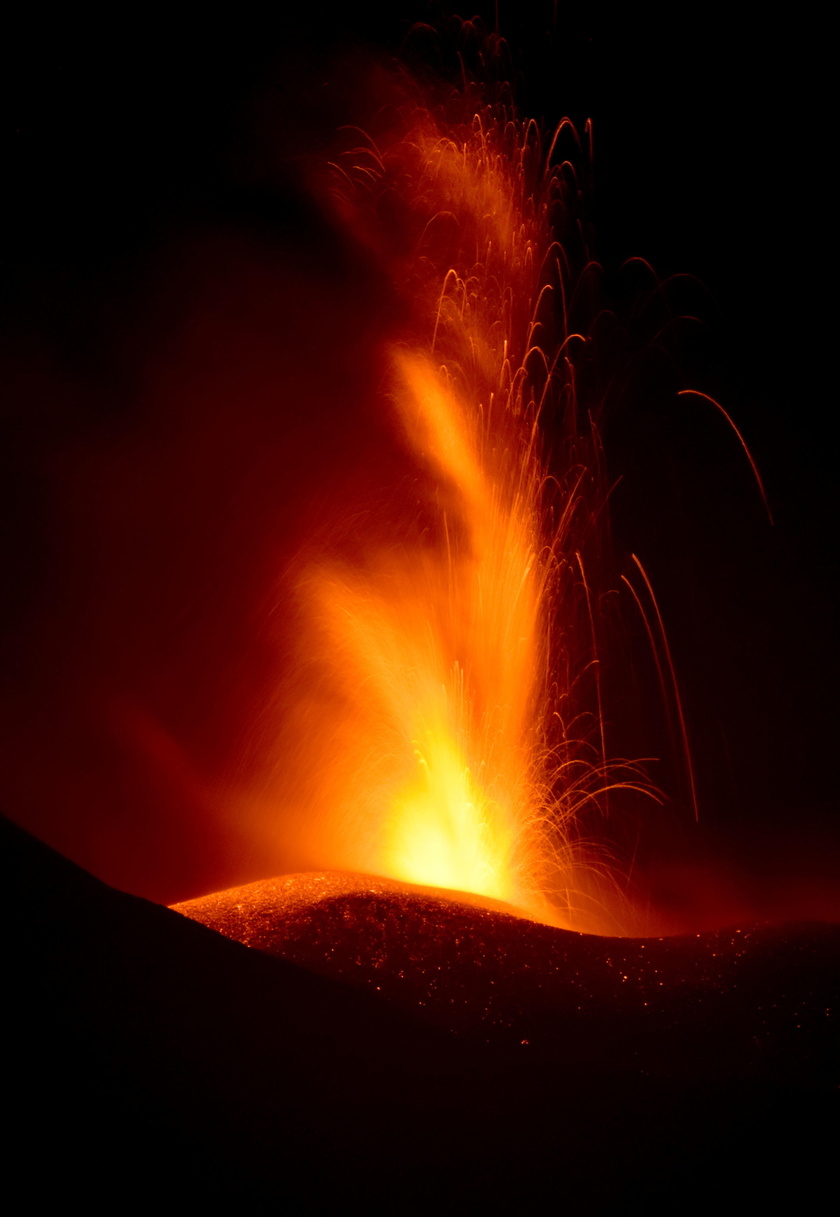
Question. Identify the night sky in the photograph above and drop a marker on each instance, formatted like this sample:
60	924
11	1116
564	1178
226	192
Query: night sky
161	260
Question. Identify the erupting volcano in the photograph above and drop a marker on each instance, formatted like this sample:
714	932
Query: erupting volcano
443	725
315	477
446	667
326	606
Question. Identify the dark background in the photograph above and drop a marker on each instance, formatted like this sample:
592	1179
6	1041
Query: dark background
140	156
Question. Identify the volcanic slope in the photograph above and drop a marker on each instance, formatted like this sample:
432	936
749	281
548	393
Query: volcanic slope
755	1001
150	1057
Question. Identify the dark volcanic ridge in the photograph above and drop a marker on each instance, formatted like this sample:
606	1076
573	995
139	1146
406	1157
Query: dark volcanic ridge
753	1001
150	1057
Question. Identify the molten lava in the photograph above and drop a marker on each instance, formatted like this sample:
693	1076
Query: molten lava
442	729
441	653
449	749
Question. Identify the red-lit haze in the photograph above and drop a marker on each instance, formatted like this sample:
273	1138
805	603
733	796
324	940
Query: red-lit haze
306	596
302	584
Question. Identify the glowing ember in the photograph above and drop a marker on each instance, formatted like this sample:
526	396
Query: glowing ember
447	749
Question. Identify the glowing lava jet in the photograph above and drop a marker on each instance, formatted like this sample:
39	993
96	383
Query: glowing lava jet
442	734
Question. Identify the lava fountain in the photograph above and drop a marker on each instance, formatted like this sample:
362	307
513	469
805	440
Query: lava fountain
443	725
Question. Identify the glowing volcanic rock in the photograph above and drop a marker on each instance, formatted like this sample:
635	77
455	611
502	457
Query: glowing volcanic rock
218	1071
748	1000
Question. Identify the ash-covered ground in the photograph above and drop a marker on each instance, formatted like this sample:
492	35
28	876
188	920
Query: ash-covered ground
752	1001
150	1057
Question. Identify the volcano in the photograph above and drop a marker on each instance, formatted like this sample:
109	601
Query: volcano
449	1056
190	349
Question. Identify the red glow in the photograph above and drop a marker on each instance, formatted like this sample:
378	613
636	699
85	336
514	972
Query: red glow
451	751
328	590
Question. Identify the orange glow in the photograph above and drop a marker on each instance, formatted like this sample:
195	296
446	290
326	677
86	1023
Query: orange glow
439	741
440	652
